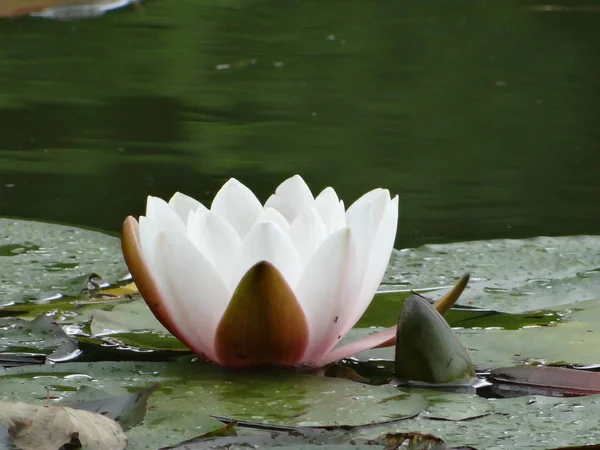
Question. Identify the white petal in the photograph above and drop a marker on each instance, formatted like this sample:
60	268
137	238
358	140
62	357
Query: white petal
274	216
363	226
159	212
237	205
197	297
326	291
307	232
183	204
148	232
267	242
331	209
216	240
378	259
290	198
380	197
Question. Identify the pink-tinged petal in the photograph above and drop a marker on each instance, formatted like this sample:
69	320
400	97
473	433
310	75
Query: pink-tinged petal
237	205
378	259
142	275
274	216
216	240
290	198
326	291
263	324
197	297
331	209
307	233
385	338
159	212
184	204
267	242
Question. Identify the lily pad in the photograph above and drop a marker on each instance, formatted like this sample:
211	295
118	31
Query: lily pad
575	340
531	422
42	260
128	409
124	317
379	314
41	336
506	275
190	392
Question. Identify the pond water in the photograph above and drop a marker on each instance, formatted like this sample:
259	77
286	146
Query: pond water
482	115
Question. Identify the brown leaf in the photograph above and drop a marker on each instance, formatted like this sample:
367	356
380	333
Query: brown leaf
33	427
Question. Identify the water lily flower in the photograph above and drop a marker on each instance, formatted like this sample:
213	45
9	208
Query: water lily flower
243	284
61	9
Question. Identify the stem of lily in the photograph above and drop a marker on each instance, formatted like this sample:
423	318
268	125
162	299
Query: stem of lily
444	304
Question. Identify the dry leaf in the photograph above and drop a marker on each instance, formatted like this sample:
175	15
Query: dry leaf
128	290
33	427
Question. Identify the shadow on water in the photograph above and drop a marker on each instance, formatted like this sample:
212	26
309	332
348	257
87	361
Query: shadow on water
481	114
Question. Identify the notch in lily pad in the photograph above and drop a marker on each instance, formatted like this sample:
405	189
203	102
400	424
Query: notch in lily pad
427	350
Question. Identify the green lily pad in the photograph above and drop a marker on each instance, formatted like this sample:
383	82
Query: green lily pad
124	317
190	392
41	336
575	340
132	324
506	275
531	422
296	440
43	260
379	314
128	409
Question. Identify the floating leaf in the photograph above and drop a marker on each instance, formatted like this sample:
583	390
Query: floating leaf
574	340
311	440
531	422
128	410
41	336
459	316
125	317
37	258
506	275
191	392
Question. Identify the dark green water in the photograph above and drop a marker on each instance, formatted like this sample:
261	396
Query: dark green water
483	115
